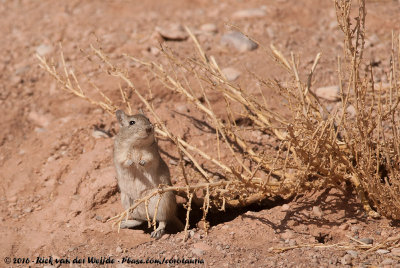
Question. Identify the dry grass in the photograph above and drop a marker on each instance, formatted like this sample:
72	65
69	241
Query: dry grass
317	148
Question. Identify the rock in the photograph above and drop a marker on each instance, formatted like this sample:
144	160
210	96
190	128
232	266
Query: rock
346	259
395	252
99	134
285	207
382	251
175	32
288	234
173	162
238	41
209	28
368	241
43	50
249	13
182	108
118	250
387	262
372	41
231	74
344	226
154	50
28	210
39	119
330	93
199	248
191	233
317	212
353	253
99	218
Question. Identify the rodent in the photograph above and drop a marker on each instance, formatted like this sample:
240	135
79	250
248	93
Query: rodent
140	169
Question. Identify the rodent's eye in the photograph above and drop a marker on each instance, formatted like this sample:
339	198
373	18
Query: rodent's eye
132	122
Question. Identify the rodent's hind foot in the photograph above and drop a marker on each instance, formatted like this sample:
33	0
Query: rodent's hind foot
159	231
129	224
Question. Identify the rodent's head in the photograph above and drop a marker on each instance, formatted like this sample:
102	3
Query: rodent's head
137	129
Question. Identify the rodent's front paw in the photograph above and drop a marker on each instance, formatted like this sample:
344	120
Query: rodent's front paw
142	162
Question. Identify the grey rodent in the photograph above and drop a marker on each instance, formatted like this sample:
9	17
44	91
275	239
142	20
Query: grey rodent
140	169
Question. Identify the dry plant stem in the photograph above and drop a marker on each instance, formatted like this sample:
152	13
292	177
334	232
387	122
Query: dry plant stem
188	209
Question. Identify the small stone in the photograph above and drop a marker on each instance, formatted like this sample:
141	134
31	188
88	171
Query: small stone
43	50
249	13
225	227
174	32
330	93
200	248
288	234
182	108
368	241
239	41
99	134
231	74
39	119
387	262
382	251
285	207
395	252
191	233
118	249
317	212
99	218
346	259
209	28
173	162
154	50
355	229
353	253
198	252
344	226
28	210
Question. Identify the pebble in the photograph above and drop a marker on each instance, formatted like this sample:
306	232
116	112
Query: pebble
353	253
43	50
28	210
368	241
317	212
209	28
231	74
387	262
191	233
395	252
175	32
382	251
285	207
99	134
346	259
238	41
344	226
249	13
118	250
288	234
330	93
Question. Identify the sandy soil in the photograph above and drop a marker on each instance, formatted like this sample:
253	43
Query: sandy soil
57	179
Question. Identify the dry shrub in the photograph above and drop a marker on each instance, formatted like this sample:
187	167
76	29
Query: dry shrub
318	148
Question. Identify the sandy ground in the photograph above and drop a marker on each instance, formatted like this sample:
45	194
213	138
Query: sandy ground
57	179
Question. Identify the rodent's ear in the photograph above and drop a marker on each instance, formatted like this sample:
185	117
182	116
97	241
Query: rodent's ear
121	116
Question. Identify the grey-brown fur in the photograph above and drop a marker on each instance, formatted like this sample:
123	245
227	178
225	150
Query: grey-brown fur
140	169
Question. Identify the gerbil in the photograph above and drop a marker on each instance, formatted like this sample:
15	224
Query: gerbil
140	169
